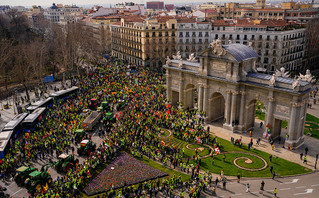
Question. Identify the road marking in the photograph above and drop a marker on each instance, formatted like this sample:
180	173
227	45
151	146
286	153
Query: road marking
17	191
293	181
307	192
301	187
285	189
315	185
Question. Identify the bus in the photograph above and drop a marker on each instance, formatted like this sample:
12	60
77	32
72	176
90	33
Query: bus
64	93
32	121
15	124
5	138
41	103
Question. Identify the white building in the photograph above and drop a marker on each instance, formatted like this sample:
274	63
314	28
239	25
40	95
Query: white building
277	43
192	36
62	14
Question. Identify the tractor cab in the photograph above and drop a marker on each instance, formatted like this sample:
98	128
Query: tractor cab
22	174
93	104
79	135
105	106
86	147
65	163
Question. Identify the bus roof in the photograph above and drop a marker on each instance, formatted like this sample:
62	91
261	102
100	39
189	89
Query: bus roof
39	104
4	139
59	93
31	117
14	122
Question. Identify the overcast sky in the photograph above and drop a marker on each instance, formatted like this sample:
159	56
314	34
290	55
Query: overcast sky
46	3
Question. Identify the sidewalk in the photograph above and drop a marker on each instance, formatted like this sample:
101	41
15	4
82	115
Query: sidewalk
8	114
264	146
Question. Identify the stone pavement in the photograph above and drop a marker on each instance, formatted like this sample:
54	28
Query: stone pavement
279	151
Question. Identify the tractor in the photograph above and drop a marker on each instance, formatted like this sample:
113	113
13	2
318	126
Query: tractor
38	179
93	104
86	147
22	174
79	135
65	163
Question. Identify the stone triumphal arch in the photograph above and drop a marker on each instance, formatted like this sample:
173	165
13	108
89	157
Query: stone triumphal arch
228	87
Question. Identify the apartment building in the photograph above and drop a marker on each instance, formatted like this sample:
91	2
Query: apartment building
62	14
278	43
144	41
193	35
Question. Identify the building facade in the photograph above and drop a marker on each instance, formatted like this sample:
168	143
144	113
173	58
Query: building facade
155	5
192	36
277	43
62	15
144	41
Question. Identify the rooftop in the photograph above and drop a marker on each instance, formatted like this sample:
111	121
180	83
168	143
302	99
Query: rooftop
240	52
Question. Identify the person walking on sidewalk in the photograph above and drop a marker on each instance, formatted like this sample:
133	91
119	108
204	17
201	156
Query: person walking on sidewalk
306	151
262	185
247	188
301	154
238	177
275	192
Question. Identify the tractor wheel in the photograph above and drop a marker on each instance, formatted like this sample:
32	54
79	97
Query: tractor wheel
68	167
38	187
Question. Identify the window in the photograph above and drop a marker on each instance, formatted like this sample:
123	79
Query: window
173	26
181	34
266	60
160	34
187	34
268	37
216	36
237	36
206	34
193	34
200	41
252	37
245	37
187	40
153	34
200	34
231	36
260	37
147	34
173	34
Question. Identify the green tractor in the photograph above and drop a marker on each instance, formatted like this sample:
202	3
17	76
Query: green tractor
86	147
22	174
39	179
65	163
79	135
105	106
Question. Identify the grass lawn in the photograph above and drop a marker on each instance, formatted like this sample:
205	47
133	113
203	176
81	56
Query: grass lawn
312	126
281	166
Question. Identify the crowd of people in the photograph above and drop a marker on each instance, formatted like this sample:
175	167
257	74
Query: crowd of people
135	131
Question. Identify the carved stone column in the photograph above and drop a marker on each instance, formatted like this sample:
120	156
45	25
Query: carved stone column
200	98
242	108
270	110
181	92
233	106
293	133
228	107
205	100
